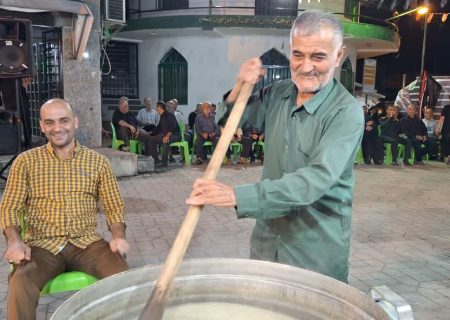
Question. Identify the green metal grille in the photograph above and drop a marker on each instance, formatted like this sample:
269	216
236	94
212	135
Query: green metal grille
172	77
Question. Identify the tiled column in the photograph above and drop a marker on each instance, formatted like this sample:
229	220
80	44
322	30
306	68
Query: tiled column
81	81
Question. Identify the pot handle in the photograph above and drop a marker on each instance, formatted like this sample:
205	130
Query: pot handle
395	306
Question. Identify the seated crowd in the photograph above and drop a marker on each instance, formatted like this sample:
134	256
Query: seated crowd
408	137
157	129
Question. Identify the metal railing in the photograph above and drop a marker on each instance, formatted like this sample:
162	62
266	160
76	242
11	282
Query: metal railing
133	13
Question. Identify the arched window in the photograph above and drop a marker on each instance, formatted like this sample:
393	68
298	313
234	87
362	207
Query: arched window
172	77
347	75
277	66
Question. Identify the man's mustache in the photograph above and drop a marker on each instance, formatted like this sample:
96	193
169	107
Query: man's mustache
307	74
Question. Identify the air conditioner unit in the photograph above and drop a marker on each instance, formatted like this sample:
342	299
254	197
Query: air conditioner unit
115	11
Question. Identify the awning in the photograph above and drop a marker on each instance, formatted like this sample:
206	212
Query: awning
75	7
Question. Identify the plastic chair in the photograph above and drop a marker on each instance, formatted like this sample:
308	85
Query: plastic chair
205	144
359	156
236	148
67	281
135	145
183	144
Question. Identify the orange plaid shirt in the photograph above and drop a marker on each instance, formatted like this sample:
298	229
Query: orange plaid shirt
59	198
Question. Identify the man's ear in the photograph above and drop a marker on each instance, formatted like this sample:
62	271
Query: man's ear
340	55
42	128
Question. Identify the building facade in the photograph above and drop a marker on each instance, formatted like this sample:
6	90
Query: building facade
192	50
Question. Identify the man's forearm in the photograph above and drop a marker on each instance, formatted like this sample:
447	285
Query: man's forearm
118	230
12	234
125	124
234	92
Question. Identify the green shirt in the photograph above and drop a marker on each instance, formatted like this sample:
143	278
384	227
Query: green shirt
303	202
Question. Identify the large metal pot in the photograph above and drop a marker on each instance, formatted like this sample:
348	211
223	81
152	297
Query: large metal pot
283	289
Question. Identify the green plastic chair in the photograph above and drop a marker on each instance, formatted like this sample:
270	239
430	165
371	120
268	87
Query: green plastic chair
135	145
205	144
359	157
236	148
67	281
183	144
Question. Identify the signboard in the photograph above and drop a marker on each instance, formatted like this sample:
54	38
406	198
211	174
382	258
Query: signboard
369	75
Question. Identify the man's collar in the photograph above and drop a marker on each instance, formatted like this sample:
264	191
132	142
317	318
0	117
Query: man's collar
76	150
312	104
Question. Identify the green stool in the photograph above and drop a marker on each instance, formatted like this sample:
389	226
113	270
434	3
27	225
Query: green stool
68	281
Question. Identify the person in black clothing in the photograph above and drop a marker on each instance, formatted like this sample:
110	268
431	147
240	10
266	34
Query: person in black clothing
372	147
166	132
124	122
413	129
9	101
249	138
443	129
191	123
389	133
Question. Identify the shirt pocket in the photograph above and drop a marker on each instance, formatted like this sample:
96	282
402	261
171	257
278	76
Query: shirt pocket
84	181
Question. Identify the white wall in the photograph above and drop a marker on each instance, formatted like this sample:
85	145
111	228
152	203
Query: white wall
213	63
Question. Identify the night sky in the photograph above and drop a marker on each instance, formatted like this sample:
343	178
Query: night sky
408	59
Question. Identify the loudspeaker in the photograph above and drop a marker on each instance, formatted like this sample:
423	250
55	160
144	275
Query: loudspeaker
16	48
9	135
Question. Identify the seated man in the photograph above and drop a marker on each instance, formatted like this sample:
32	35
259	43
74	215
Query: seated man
414	130
166	132
147	117
390	131
207	130
172	106
372	148
250	137
430	123
124	122
191	123
57	187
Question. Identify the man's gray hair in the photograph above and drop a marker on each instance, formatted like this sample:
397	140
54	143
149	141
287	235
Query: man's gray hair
123	99
312	21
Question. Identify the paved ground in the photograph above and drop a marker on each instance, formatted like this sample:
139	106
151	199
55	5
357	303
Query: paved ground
401	230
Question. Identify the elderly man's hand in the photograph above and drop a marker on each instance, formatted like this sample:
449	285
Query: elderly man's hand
211	192
17	251
251	71
119	245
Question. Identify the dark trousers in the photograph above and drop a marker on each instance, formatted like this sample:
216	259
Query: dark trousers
247	150
445	144
149	127
394	146
29	277
152	142
372	149
199	145
419	151
124	134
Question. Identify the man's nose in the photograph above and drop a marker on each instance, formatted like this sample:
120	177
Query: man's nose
306	66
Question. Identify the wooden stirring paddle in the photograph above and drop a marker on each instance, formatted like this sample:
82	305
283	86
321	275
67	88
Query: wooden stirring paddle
155	306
